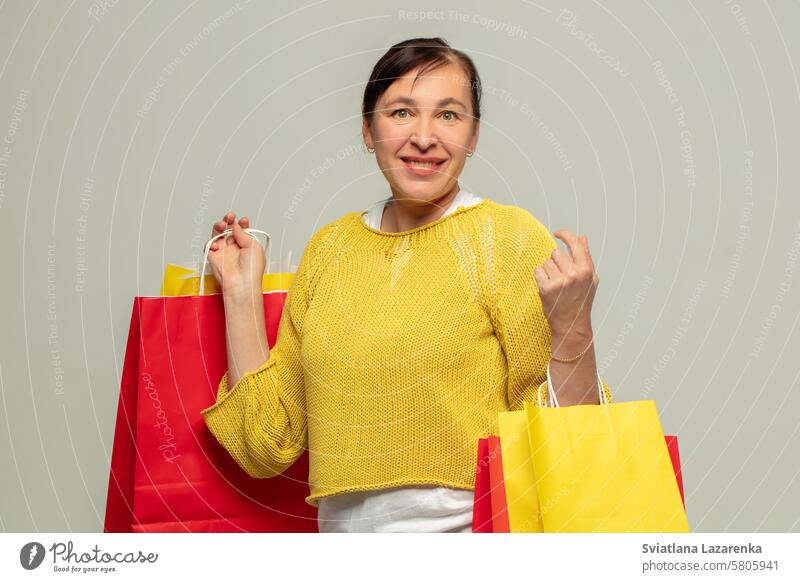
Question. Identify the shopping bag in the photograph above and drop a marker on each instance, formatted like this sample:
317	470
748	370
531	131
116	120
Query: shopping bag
604	468
490	508
497	489
519	481
675	458
522	503
184	279
518	476
168	472
482	502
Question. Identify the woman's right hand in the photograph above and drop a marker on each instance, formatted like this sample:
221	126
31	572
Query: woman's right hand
237	261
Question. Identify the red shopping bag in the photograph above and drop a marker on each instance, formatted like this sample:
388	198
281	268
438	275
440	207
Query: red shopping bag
490	509
168	472
674	456
482	504
498	488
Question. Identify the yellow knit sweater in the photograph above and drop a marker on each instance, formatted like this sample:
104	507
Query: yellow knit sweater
395	353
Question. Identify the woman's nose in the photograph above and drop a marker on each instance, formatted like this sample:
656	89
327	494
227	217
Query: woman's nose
422	136
423	140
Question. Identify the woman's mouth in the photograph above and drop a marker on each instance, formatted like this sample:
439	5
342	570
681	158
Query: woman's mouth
422	168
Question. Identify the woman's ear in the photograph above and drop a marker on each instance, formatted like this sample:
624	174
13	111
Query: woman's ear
473	140
366	134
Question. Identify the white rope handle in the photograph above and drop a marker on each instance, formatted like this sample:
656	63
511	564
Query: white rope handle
552	394
251	232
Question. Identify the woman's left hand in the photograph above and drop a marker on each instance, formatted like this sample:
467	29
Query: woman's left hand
567	283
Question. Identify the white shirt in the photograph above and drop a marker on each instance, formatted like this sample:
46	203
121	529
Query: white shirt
375	213
420	509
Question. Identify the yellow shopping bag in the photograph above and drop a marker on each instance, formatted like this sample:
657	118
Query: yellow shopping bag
518	476
181	280
524	515
603	468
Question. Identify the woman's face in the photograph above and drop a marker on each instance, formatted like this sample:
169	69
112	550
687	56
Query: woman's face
421	137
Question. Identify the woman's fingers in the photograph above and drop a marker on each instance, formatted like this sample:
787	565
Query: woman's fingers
243	239
224	223
568	238
551	269
561	259
541	278
220	226
585	243
578	248
228	222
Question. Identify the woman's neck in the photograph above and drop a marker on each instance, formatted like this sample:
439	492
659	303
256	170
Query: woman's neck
401	214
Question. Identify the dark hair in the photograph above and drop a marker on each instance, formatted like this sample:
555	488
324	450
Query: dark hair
403	57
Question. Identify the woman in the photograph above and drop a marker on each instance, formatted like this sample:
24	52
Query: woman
408	327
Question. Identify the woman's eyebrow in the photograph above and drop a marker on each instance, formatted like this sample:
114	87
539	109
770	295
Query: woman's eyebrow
413	102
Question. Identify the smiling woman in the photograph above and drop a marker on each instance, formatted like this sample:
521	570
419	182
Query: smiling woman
406	331
421	118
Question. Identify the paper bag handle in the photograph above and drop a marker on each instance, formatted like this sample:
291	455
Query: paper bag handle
225	233
552	394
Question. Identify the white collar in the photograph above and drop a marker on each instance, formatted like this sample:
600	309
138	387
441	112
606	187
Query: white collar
374	215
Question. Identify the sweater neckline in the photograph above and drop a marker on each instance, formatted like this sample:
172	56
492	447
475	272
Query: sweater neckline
456	212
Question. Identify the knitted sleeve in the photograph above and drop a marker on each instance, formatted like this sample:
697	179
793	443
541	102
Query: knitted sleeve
522	243
261	421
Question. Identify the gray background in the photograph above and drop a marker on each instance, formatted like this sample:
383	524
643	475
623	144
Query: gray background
128	127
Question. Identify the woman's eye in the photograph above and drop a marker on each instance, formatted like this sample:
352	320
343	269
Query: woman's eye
404	114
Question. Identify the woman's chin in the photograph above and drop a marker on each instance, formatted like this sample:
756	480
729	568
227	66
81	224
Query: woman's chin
423	189
421	196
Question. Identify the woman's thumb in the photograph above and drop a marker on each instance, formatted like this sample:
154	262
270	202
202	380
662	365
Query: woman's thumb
243	239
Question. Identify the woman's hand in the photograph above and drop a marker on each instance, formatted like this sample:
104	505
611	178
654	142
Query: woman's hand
567	283
237	261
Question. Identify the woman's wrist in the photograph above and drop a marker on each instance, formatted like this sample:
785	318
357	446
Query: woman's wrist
571	344
241	295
